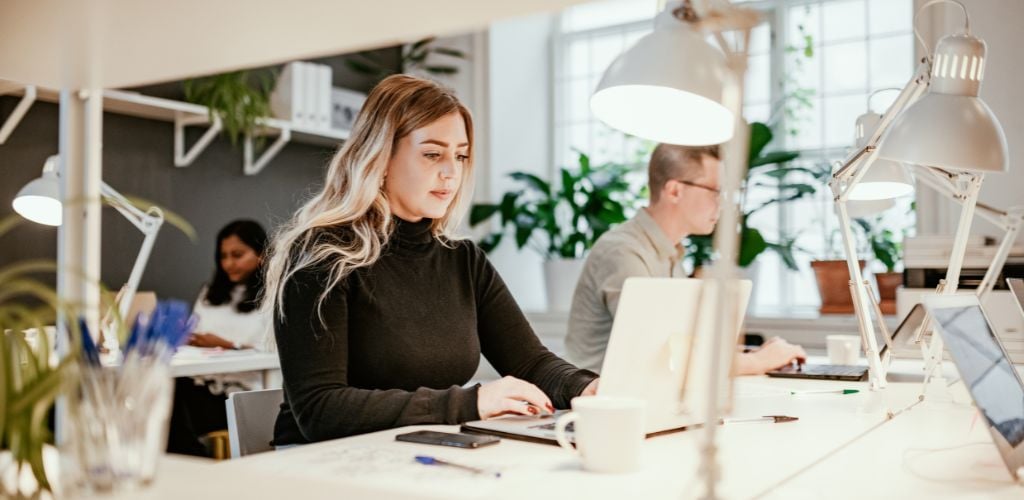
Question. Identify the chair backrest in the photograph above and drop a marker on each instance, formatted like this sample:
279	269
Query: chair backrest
251	417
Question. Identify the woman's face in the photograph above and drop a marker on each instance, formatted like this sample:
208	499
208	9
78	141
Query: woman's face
237	259
425	171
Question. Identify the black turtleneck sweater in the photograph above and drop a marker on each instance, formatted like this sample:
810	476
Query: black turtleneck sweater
402	337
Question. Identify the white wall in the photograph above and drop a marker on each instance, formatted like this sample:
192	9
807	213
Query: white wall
997	22
520	137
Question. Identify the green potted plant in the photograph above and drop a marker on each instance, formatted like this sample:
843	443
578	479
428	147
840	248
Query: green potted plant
231	98
764	169
561	223
887	250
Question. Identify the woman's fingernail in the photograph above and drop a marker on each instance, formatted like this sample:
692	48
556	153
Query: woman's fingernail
532	409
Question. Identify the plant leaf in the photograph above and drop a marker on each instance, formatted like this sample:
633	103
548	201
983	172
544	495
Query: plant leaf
752	244
481	212
773	157
533	181
760	136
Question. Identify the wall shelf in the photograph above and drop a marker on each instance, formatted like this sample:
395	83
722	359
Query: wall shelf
183	115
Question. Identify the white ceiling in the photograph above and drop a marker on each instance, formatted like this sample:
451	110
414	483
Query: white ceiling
124	43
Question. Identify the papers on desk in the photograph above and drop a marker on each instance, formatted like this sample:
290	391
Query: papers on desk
398	469
192	352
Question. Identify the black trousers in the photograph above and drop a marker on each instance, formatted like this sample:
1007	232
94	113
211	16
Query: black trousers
196	412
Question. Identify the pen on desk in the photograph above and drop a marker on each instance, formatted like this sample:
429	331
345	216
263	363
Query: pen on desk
826	391
765	419
427	460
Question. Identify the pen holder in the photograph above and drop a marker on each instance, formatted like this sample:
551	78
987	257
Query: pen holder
118	425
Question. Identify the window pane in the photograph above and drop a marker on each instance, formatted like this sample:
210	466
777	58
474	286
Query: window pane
577	58
845	67
608	13
579	140
578	96
606	144
889	16
604	50
757	112
808	127
804	20
758	80
892	61
843	20
842	113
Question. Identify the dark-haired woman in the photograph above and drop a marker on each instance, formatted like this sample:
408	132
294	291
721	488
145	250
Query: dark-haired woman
229	318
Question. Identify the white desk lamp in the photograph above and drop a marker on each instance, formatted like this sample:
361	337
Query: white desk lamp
950	136
673	86
40	201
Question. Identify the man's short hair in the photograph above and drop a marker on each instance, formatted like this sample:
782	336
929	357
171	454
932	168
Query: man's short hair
669	161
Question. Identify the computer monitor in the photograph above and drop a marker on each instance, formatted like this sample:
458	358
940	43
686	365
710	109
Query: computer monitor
986	370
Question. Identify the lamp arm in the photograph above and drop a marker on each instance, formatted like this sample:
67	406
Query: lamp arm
148	223
857	164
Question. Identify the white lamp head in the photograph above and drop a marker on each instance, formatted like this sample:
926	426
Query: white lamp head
950	126
885	179
667	87
39	201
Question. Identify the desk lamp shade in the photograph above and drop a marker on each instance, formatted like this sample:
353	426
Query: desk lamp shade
950	126
39	201
667	87
885	179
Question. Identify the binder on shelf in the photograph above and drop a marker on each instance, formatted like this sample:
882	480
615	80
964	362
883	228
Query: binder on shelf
323	110
311	99
285	101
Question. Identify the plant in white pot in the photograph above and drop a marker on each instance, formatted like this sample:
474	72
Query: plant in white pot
561	223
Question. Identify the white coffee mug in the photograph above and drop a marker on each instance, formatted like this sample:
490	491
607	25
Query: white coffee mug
843	349
609	432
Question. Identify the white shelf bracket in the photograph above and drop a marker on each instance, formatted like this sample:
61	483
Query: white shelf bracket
183	158
252	168
15	117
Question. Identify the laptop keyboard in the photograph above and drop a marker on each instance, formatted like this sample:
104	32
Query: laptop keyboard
551	427
851	370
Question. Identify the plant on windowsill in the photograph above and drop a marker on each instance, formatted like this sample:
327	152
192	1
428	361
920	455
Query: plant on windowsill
561	224
887	250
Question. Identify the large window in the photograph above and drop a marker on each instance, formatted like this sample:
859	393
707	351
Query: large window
812	66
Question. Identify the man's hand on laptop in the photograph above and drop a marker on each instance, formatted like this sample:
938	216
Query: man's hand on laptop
510	395
774	353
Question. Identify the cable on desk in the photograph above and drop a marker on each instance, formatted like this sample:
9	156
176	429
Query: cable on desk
944	478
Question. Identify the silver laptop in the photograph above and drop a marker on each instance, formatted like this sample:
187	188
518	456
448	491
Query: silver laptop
986	370
656	351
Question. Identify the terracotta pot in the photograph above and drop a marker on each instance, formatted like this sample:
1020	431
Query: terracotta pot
887	285
833	279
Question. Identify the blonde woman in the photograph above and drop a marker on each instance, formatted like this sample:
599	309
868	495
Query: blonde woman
381	314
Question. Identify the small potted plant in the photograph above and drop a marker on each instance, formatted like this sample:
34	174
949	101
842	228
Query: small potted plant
562	223
887	250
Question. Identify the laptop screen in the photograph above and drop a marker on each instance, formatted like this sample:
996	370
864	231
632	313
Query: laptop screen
990	377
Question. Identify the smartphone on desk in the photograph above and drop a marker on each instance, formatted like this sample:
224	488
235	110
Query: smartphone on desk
448	439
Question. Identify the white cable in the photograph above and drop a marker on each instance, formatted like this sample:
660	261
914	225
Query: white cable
920	39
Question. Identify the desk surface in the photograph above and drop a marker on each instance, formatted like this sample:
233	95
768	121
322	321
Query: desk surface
757	455
194	363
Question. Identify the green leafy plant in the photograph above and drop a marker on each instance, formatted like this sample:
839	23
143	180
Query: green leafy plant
231	98
561	222
414	57
764	170
882	241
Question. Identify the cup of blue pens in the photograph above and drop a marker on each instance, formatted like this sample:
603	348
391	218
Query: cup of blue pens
119	419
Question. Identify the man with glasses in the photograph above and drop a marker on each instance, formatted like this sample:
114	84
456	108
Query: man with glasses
683	183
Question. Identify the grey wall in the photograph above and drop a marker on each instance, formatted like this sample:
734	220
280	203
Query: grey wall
138	162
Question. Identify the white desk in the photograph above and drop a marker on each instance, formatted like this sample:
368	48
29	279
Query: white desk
194	365
756	455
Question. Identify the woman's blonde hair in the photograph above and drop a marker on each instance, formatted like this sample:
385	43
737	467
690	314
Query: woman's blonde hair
353	195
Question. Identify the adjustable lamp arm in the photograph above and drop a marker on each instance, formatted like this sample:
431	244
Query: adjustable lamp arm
148	223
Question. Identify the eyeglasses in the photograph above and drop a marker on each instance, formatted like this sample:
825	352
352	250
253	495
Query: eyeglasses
701	186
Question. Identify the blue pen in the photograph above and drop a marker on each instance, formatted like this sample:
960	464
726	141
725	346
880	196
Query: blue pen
425	460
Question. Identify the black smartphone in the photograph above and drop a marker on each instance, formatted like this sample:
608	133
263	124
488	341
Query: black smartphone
448	439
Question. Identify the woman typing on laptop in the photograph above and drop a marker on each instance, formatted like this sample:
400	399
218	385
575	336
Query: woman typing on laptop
380	313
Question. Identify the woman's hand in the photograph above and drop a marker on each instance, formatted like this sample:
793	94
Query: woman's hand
510	395
591	389
199	339
776	353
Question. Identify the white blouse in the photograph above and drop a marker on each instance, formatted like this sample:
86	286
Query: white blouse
251	329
